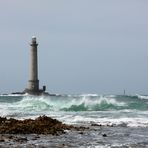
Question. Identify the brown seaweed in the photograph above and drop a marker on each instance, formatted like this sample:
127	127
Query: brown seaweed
41	125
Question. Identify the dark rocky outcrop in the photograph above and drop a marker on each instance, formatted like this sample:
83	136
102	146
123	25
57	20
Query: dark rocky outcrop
41	125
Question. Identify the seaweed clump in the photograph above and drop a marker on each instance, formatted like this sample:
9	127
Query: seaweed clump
41	125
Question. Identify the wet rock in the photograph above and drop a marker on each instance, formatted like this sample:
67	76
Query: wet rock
94	124
104	135
20	140
81	128
2	140
81	133
35	138
41	125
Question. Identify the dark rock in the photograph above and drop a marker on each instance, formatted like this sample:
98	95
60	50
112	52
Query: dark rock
104	135
10	137
21	140
94	124
2	140
81	128
41	125
81	133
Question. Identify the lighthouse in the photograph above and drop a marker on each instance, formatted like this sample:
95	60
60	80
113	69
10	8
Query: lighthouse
33	82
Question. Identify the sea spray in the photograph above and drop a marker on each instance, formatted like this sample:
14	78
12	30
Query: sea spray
131	110
66	103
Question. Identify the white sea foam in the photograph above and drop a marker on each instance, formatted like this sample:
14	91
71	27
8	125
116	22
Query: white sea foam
89	95
14	95
142	96
129	122
43	103
61	108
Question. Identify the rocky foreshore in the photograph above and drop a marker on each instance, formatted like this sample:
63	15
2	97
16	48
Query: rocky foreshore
41	125
47	132
41	132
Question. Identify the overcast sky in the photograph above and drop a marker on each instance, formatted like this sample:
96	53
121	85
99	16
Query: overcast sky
85	46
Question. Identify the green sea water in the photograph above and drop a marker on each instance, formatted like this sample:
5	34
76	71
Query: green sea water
131	110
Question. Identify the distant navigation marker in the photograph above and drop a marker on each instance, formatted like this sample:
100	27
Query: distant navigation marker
33	83
124	92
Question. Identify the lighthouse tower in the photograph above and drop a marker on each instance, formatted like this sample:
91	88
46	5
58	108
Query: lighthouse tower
33	83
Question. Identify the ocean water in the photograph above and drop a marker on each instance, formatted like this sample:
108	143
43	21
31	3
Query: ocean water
79	109
124	116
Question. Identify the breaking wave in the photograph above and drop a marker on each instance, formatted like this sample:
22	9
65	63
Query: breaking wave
89	102
80	109
79	103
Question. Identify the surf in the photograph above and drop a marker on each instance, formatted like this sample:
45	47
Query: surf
119	110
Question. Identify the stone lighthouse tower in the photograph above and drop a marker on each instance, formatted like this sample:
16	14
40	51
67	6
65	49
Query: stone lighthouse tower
33	83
